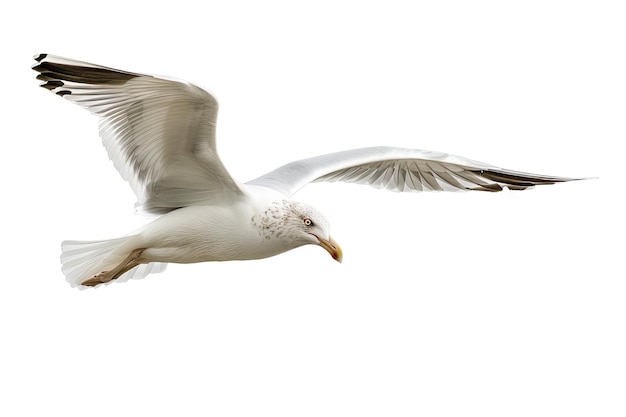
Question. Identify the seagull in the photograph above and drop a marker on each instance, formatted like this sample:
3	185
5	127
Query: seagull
159	133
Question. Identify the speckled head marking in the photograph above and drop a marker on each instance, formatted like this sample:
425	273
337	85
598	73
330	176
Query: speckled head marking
269	222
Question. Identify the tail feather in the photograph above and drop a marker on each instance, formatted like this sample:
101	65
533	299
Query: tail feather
82	260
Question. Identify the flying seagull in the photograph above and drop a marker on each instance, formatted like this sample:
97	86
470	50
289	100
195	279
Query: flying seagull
160	135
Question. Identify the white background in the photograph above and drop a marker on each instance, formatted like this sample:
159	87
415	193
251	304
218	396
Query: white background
508	304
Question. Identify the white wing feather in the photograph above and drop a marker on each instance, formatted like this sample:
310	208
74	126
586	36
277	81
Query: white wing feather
159	133
399	169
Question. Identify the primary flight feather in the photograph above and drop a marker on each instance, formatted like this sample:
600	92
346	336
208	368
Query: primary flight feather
160	135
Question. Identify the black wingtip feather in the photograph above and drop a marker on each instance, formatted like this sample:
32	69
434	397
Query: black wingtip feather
51	69
52	84
520	179
493	188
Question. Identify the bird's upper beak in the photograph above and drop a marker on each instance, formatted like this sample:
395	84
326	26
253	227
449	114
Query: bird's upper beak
332	247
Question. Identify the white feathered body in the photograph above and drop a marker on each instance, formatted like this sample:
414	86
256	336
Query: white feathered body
214	232
241	230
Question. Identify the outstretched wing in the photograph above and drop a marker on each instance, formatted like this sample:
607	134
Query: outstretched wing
399	169
159	133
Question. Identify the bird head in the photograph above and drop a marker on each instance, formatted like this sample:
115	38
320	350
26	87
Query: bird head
308	226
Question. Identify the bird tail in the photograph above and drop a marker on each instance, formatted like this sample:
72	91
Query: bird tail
83	260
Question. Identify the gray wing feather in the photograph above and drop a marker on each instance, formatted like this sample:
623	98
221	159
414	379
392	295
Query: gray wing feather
159	133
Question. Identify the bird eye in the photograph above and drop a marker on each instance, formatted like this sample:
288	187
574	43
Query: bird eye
307	221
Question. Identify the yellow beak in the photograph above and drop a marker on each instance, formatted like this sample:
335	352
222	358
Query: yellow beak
332	247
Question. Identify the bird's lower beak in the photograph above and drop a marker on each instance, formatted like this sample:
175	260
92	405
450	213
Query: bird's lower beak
332	247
